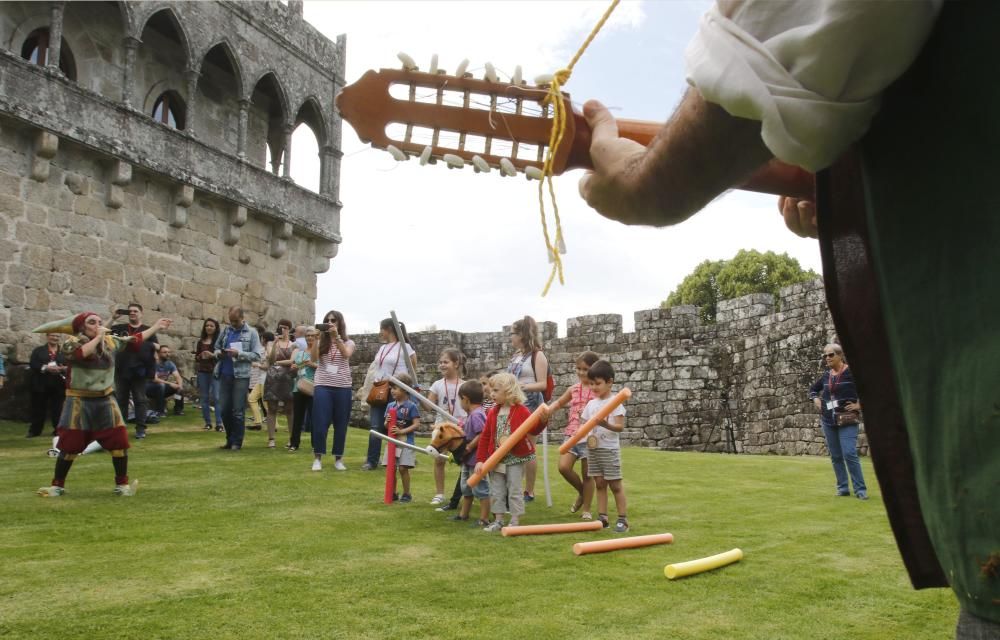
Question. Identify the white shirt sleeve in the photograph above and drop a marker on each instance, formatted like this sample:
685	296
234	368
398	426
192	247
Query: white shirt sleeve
811	71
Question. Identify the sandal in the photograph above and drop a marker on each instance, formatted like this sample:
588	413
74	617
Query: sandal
586	516
576	505
270	444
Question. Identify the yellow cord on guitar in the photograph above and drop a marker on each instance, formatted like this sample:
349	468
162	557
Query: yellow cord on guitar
554	98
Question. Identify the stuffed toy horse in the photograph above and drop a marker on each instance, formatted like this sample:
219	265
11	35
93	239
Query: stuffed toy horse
449	438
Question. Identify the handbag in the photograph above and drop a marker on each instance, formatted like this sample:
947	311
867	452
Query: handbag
305	386
379	395
845	418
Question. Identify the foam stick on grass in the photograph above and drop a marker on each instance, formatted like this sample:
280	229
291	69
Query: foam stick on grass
539	529
600	546
589	425
390	461
681	569
429	451
501	451
430	405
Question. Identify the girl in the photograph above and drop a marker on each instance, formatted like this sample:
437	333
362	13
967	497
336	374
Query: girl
305	369
503	419
278	386
577	397
258	376
531	368
204	357
444	393
389	361
332	394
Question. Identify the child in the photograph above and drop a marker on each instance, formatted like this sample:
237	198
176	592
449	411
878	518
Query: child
407	421
471	398
602	443
503	420
487	391
577	397
258	376
444	393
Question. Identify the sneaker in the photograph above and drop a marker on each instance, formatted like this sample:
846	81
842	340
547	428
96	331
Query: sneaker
219	428
437	499
861	495
292	449
604	520
843	494
140	435
367	467
126	490
317	465
52	453
586	515
494	527
446	507
270	444
406	498
458	518
529	497
395	497
339	466
51	492
621	526
479	524
208	427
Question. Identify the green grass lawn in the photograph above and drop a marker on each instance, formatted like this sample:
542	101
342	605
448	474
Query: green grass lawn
255	545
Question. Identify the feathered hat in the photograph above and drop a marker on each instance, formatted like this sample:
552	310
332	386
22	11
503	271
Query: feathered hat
71	325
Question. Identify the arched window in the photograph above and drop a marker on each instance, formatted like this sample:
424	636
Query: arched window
169	110
36	50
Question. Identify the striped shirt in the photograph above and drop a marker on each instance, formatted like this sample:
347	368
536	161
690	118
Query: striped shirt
334	369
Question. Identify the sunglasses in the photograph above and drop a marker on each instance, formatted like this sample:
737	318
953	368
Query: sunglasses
830	355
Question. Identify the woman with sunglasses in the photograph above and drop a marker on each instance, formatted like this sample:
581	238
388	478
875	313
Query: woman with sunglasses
837	399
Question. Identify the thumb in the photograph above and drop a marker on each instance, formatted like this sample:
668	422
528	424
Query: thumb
602	124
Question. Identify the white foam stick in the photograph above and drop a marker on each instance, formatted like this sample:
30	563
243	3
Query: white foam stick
491	73
462	66
516	78
453	161
434	64
408	63
507	167
480	164
429	451
425	155
545	78
533	173
416	394
396	154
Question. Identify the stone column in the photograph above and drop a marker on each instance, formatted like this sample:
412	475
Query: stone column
55	35
326	161
191	76
241	138
287	151
131	46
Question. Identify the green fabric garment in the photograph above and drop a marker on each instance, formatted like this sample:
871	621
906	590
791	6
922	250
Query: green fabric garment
932	186
96	373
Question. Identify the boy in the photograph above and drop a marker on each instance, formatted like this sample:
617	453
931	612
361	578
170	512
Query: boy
470	395
603	445
407	421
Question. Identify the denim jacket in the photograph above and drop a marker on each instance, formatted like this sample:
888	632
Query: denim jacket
250	352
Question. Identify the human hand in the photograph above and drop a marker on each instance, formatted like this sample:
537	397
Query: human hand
818	403
853	406
799	215
164	323
478	469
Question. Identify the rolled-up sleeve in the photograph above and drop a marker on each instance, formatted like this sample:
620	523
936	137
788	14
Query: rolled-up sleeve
812	71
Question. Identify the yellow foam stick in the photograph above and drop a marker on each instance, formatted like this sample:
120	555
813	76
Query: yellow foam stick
682	569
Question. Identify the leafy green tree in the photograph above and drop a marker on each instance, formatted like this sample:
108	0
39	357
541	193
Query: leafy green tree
747	272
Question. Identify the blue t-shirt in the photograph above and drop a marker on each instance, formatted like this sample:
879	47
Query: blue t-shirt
406	413
165	369
226	368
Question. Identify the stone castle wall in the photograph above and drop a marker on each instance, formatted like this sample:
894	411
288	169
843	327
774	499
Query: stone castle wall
692	382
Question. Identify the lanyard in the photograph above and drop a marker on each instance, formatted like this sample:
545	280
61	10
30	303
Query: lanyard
386	355
835	379
451	400
580	401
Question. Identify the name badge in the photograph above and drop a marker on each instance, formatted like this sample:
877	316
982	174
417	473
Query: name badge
591	442
501	440
331	368
831	405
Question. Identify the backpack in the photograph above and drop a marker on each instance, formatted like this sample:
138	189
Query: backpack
550	382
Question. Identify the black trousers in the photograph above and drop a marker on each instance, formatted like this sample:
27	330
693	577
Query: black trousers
46	404
136	387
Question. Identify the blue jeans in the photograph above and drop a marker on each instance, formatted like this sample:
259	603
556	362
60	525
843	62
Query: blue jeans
843	445
330	404
232	404
208	392
377	418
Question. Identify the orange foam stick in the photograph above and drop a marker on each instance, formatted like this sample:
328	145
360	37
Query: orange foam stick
508	444
600	546
539	529
589	425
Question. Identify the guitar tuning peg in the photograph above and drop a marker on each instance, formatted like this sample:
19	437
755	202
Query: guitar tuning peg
434	64
532	172
425	155
507	167
516	78
453	161
561	245
491	73
544	80
408	63
396	153
480	164
462	66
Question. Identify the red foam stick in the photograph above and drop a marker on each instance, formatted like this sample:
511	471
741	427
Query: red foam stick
390	461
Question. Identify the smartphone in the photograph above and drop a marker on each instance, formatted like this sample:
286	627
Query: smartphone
121	312
322	327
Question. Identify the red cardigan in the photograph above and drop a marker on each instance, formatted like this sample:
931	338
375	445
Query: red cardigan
487	443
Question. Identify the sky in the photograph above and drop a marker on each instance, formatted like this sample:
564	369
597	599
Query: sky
458	250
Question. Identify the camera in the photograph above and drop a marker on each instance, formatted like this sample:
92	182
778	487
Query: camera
323	327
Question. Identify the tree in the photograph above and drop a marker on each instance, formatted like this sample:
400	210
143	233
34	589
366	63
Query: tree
747	272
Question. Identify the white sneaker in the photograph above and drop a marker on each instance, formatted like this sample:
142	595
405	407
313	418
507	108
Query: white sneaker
494	527
438	499
317	465
51	492
126	490
339	466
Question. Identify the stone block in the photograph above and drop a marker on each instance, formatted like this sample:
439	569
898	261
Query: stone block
13	295
116	197
27	276
11	206
85	246
199	292
88	285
